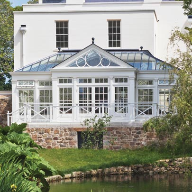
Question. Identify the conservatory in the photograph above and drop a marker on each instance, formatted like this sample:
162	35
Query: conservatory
69	86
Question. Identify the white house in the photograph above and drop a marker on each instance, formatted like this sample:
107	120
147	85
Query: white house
78	58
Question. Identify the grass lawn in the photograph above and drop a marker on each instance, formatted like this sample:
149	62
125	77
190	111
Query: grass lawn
68	160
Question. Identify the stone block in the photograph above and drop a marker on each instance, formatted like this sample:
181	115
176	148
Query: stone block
56	131
67	176
48	140
93	172
47	130
63	146
88	174
99	171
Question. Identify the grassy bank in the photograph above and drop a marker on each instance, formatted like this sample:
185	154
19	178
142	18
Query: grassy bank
68	160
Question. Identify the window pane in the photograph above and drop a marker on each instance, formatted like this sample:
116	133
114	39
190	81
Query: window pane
114	33
62	34
118	44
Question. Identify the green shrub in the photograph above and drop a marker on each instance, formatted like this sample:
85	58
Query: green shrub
172	133
92	137
20	151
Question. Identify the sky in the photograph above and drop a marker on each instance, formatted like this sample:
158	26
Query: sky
18	2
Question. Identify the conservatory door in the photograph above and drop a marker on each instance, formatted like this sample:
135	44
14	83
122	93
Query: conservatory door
164	100
121	100
66	107
93	100
145	103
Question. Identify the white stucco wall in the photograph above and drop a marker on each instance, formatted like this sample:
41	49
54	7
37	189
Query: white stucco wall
146	24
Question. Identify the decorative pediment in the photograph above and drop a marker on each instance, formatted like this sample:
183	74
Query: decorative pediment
95	57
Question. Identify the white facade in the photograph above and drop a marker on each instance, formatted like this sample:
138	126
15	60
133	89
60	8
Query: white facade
148	24
70	90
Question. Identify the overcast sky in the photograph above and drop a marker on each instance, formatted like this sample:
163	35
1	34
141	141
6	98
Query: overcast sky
18	2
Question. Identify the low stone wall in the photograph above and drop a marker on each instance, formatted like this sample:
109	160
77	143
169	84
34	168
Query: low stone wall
115	137
5	106
170	166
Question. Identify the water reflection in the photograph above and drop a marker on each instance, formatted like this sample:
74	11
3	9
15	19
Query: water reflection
126	183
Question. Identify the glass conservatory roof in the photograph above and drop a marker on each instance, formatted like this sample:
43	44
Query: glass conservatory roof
142	60
47	63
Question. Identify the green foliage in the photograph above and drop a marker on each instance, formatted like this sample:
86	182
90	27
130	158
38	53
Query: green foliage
177	126
6	43
18	8
164	126
93	136
33	2
19	149
11	178
187	7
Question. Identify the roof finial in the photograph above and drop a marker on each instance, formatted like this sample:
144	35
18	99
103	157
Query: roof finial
93	39
141	48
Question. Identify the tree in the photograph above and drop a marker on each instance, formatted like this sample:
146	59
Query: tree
177	126
18	8
187	6
33	1
6	41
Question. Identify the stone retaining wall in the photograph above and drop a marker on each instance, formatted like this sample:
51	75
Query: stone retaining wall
54	137
115	137
127	138
169	166
5	106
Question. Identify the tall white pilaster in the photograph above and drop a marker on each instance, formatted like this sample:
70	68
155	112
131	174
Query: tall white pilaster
55	97
131	98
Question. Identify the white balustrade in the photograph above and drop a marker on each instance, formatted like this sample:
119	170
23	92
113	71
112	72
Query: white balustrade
68	112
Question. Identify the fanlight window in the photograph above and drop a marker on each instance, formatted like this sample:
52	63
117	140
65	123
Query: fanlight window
93	59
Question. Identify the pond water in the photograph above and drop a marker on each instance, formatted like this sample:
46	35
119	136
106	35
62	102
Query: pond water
145	183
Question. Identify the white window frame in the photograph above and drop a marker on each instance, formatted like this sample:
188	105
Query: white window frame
112	33
65	78
46	86
62	34
145	84
121	107
167	82
122	83
27	83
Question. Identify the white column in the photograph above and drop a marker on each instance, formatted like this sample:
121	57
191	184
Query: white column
75	100
40	1
155	97
36	98
36	93
111	96
131	98
55	97
15	100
